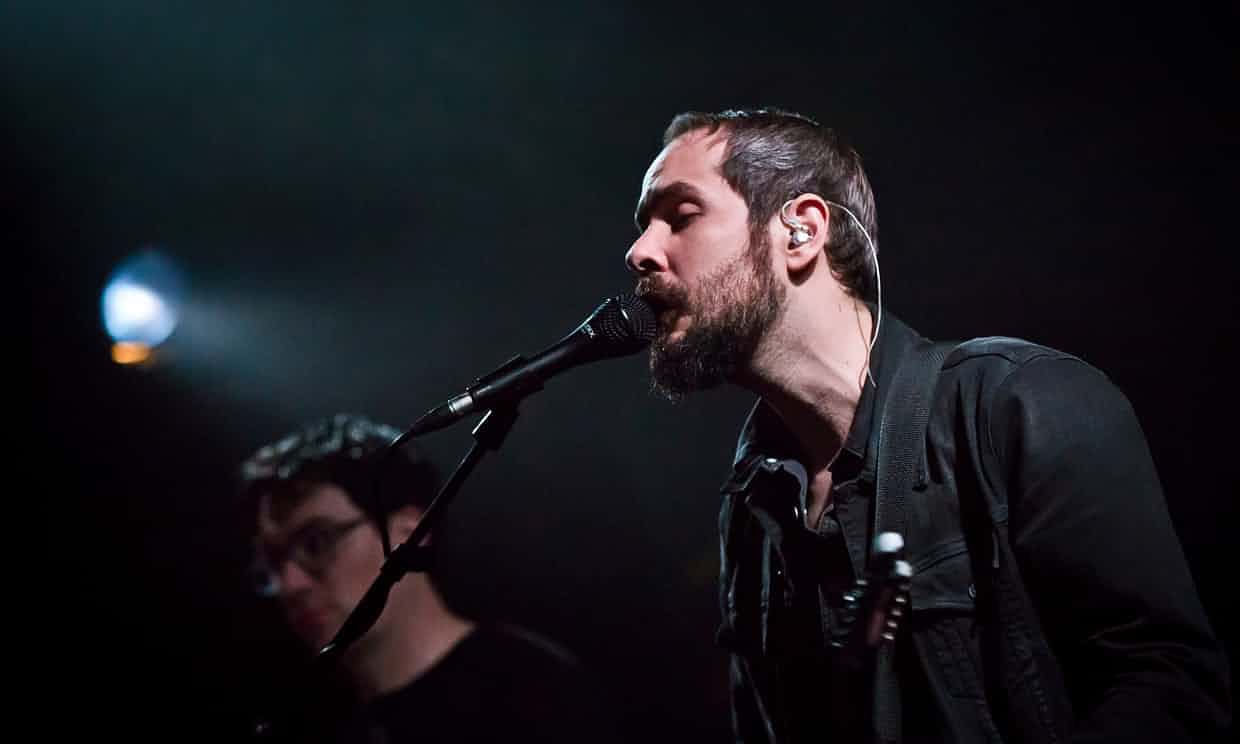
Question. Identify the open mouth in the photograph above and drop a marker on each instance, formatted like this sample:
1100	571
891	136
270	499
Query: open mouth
661	304
656	303
667	301
667	314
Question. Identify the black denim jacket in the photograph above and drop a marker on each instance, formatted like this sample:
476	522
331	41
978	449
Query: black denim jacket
1052	599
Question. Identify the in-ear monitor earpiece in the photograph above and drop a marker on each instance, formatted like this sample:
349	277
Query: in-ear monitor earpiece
800	233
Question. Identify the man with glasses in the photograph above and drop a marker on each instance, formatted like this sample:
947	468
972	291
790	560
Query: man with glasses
422	671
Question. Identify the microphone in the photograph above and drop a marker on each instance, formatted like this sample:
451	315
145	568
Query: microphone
622	325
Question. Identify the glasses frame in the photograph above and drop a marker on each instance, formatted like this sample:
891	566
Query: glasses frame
266	567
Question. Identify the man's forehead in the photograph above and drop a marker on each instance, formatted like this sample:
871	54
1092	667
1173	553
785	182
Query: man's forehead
693	157
286	510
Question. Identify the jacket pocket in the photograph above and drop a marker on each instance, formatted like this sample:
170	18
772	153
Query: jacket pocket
943	579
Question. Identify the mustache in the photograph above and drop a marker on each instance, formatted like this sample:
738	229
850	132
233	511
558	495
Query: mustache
661	293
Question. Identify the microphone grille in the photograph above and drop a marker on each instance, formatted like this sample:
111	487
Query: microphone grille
626	320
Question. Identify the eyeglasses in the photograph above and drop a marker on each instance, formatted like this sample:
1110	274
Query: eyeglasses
312	548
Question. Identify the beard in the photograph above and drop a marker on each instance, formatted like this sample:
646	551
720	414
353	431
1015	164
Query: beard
733	308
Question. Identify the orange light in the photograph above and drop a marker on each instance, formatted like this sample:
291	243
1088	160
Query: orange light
130	352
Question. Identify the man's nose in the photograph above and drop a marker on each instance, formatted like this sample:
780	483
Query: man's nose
646	255
294	579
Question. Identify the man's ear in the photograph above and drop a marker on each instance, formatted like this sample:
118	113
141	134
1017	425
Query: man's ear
804	224
402	522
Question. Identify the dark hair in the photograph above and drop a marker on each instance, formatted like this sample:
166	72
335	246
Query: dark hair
347	450
773	156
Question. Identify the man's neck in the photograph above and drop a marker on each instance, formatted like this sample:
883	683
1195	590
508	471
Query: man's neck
811	371
421	632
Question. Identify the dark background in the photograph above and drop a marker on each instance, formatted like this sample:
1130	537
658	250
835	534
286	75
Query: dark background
375	202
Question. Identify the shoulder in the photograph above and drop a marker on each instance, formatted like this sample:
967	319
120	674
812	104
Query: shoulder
1013	384
1031	397
530	688
519	648
1001	353
1000	367
546	691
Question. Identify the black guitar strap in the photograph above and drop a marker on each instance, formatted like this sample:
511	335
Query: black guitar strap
901	445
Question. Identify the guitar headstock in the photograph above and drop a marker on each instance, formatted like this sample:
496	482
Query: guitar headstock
890	581
880	600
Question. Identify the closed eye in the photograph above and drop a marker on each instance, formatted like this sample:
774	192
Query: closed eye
683	213
681	220
671	203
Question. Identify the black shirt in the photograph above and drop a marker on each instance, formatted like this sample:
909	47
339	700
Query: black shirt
499	683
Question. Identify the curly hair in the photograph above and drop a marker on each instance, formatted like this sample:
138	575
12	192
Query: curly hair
344	449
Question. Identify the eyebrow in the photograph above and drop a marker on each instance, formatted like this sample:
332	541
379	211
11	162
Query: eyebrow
313	524
651	201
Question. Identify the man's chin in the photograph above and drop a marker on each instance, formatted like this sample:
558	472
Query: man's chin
675	375
315	631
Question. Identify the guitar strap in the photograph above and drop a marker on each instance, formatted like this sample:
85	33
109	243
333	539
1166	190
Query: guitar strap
901	446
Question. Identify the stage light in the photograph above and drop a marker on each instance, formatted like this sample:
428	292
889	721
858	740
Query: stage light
141	305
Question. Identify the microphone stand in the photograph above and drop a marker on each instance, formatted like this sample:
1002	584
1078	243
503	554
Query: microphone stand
410	556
